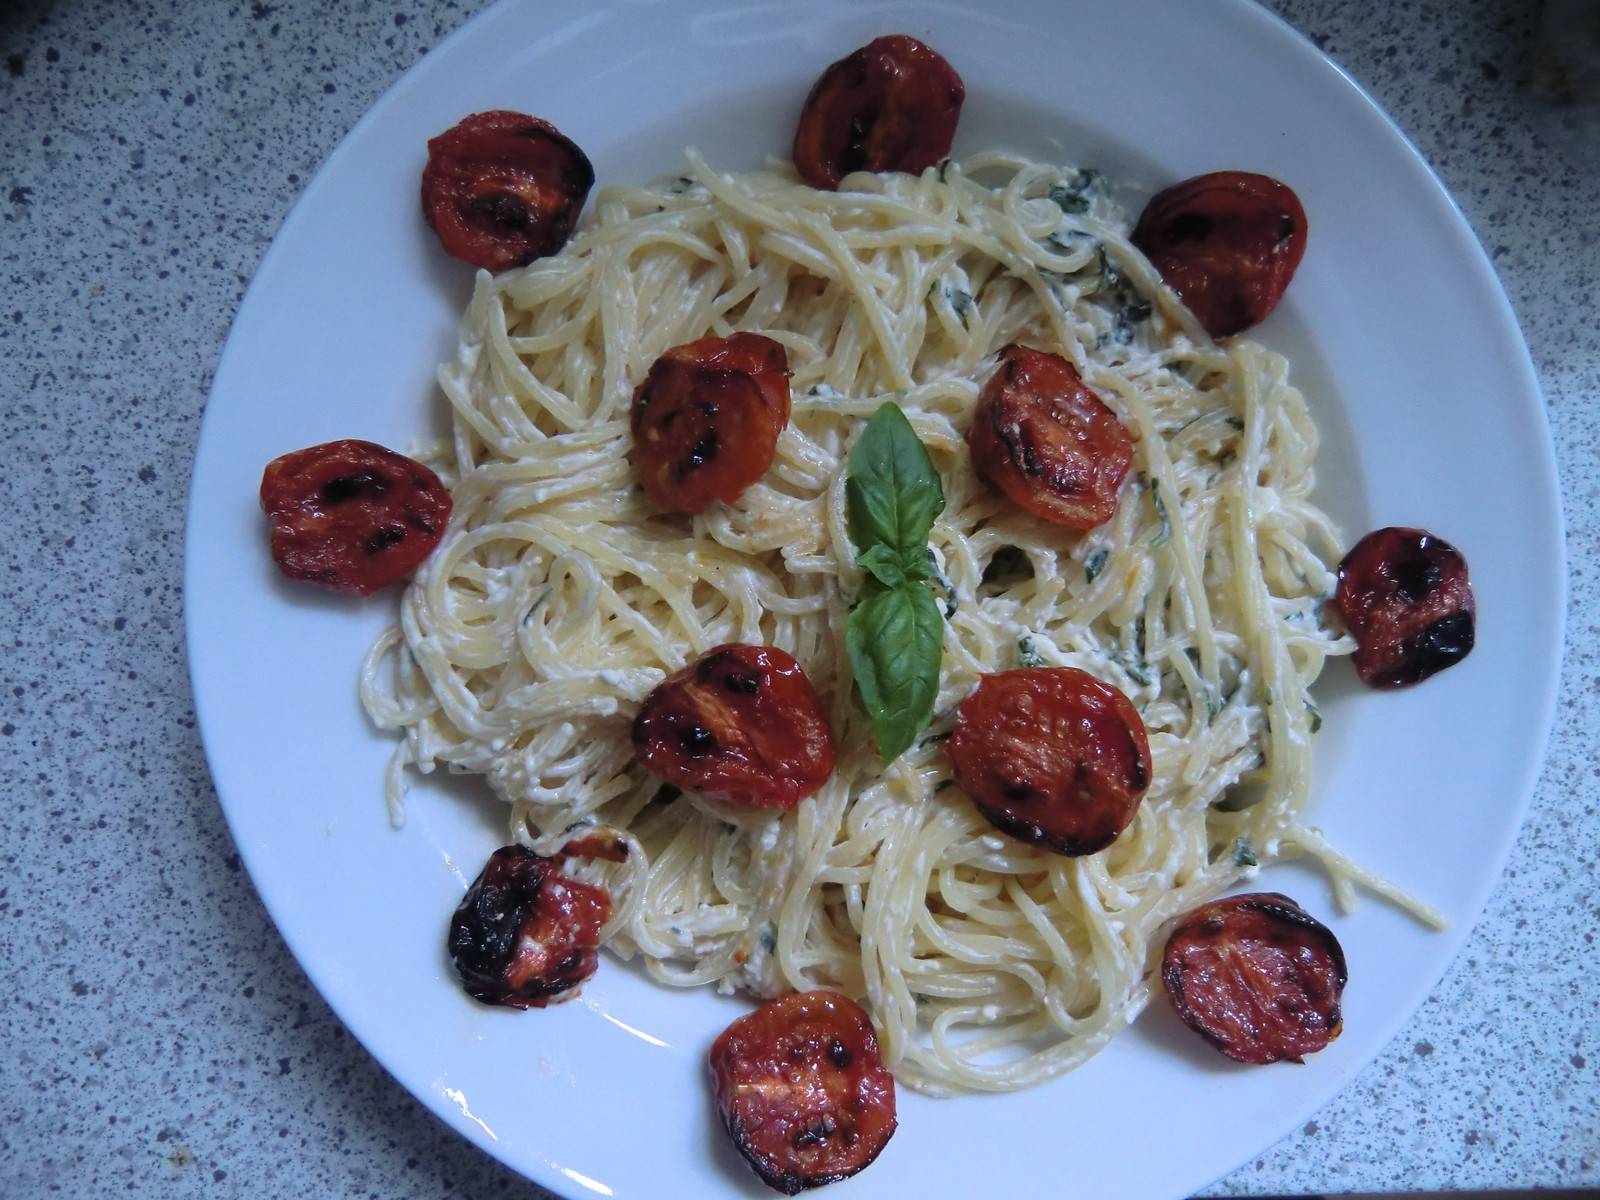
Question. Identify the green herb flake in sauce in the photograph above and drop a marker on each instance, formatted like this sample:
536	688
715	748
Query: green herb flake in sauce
1073	196
1316	717
1135	670
961	302
1137	310
1164	534
1094	564
1026	654
537	604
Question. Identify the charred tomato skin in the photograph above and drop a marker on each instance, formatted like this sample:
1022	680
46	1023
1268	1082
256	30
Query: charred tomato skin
801	1088
892	105
352	516
1406	597
1052	756
742	725
706	420
525	934
1228	243
1042	437
502	188
1257	977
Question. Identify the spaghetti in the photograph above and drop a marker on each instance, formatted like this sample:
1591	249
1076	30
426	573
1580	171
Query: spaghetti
559	598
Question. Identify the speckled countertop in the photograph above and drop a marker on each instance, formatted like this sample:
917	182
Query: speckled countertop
155	1036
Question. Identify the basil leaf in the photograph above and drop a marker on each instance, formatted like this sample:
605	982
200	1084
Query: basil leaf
884	565
895	567
895	635
893	493
920	565
895	639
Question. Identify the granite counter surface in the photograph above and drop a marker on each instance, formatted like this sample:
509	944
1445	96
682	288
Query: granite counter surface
158	1038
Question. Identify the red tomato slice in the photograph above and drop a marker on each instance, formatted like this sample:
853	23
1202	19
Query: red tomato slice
602	844
802	1090
1042	437
1256	977
1406	597
742	726
525	934
890	106
1052	756
352	516
502	189
1228	243
706	420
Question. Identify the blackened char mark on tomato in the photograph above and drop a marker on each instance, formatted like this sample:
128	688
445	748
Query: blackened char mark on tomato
502	189
706	420
1257	977
525	934
352	516
801	1088
1407	599
742	725
890	106
1228	243
1041	436
1052	756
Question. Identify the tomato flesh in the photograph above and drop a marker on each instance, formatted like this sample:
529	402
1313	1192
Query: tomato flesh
706	420
801	1088
1052	756
502	189
1041	436
890	106
352	516
1257	977
1407	599
1228	243
742	726
525	934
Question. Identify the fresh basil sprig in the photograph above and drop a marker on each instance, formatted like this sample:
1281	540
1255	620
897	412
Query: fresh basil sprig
893	493
895	637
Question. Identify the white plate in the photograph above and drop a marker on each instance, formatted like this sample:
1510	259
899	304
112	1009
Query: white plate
1399	332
